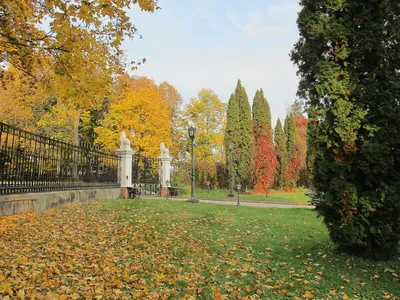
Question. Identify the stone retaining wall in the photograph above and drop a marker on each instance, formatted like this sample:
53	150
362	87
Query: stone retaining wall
19	203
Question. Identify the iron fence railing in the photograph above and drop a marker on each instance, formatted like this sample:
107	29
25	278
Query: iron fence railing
34	163
177	173
145	174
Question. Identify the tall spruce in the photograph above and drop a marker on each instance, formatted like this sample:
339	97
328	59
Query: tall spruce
232	132
291	174
267	114
290	133
281	153
261	116
348	56
264	154
243	154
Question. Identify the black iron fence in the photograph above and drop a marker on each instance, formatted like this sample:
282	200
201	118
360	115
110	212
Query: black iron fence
33	163
145	174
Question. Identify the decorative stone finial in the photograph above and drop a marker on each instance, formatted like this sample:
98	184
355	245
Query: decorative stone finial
164	151
125	143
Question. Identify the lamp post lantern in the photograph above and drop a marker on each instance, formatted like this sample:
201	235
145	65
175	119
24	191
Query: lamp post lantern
266	191
230	148
208	187
239	186
192	133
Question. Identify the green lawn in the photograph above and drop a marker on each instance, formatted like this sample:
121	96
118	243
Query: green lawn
297	197
159	249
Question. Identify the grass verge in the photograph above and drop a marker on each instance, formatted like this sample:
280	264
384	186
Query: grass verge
163	249
297	197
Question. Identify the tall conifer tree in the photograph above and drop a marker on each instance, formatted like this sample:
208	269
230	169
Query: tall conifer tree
281	153
290	133
267	115
348	56
245	149
232	132
259	116
291	170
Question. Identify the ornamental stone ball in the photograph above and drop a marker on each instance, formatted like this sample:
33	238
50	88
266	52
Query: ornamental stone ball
125	143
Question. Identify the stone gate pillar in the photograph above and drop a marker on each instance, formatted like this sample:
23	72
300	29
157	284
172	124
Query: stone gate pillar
125	164
164	170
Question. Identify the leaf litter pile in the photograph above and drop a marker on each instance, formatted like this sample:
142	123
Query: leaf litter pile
157	249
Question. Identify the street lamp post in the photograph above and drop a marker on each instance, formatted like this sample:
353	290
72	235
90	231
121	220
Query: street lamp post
239	186
230	148
192	133
266	191
208	187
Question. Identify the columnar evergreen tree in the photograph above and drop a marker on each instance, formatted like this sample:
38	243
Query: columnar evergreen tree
291	170
290	133
281	153
348	56
260	116
232	131
245	148
264	154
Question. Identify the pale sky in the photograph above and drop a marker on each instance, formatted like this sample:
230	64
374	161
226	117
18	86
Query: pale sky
195	44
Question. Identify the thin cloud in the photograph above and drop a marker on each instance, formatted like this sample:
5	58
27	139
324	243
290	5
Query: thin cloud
272	20
255	29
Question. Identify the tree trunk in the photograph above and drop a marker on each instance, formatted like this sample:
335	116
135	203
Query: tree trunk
75	142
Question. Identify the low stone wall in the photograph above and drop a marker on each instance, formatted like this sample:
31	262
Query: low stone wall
15	204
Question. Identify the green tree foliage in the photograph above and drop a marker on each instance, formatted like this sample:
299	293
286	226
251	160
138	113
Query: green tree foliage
291	134
261	115
281	153
243	154
291	174
232	131
348	56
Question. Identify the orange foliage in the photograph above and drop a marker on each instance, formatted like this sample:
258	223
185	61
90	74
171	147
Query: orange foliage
301	131
265	166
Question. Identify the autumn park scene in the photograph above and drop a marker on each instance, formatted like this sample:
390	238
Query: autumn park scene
166	149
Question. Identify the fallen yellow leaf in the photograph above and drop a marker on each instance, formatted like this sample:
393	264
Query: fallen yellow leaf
308	295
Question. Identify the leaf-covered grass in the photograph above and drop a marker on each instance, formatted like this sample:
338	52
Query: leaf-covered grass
159	249
296	197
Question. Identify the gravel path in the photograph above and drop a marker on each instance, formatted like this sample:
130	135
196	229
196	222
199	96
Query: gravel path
251	204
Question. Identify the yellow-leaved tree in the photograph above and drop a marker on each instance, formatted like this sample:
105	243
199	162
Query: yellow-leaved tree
80	43
142	113
207	113
75	99
83	30
24	98
174	101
